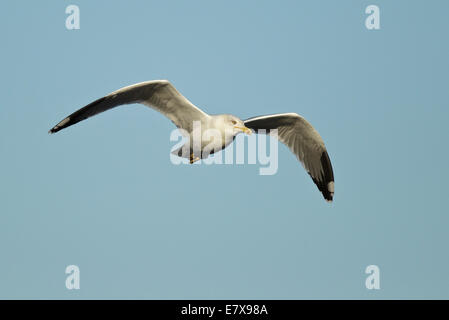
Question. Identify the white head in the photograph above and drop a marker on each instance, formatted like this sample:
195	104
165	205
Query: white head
234	124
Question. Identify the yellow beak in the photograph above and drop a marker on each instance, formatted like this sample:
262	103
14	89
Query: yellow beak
246	130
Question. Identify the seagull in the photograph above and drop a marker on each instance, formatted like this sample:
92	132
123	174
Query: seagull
292	129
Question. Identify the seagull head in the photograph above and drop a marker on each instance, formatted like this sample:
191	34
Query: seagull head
236	125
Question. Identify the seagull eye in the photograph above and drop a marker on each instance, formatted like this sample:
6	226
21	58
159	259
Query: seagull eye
233	122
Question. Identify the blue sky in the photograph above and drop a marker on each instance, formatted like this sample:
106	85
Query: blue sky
103	195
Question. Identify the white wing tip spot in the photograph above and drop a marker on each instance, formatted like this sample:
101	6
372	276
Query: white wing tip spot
330	187
59	125
63	122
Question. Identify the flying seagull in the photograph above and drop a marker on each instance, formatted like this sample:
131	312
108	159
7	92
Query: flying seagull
292	129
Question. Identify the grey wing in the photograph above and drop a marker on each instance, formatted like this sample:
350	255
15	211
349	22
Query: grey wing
161	95
305	142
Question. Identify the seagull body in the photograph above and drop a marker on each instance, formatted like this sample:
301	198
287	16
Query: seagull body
292	129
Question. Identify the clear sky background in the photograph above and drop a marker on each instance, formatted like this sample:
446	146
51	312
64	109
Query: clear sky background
104	195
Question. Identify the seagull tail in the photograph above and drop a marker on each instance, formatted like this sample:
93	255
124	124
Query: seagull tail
179	152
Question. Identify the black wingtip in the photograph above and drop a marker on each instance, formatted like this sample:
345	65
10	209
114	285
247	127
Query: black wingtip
327	189
326	183
328	192
66	122
56	128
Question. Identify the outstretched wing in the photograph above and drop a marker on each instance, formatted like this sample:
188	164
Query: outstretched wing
305	142
161	95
